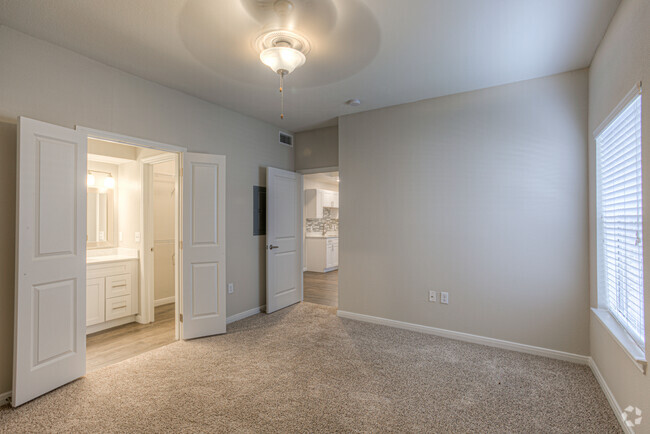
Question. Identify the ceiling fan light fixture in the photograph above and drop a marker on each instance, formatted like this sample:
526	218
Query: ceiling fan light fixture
282	60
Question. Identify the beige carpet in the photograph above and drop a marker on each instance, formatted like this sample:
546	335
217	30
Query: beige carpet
305	370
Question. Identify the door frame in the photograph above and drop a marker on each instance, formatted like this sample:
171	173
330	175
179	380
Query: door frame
147	296
302	204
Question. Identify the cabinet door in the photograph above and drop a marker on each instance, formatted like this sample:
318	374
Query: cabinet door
329	262
313	204
335	254
95	291
335	200
327	199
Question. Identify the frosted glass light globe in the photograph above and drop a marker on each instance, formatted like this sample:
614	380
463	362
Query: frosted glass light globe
282	59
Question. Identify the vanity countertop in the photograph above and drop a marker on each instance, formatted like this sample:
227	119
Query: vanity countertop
108	258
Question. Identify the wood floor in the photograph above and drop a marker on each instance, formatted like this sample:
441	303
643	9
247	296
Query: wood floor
120	343
322	288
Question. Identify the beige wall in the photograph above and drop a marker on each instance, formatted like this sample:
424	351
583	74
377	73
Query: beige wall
482	195
7	237
129	196
164	200
318	148
621	61
46	82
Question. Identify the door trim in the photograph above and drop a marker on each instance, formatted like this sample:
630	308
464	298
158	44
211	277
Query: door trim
179	152
146	172
128	140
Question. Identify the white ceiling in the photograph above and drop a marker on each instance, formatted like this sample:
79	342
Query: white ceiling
384	52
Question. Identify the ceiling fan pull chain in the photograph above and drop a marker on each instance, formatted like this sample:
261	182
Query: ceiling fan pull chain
281	96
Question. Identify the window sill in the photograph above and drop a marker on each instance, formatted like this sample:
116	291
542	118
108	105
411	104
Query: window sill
622	338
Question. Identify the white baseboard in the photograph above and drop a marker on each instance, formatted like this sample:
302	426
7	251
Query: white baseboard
245	314
167	300
609	395
4	398
491	342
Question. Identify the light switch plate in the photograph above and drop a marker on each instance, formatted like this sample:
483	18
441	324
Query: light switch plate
137	237
432	296
444	297
231	288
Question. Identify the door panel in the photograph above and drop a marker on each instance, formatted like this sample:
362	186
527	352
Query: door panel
50	309
204	249
283	235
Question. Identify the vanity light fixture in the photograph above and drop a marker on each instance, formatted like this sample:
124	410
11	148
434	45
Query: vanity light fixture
109	181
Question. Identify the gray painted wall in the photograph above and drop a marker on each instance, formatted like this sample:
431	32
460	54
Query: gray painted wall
482	195
46	82
317	148
621	61
7	252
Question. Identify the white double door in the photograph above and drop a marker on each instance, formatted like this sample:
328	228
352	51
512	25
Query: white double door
50	308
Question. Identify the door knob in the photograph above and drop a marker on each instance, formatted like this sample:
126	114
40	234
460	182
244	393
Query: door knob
271	247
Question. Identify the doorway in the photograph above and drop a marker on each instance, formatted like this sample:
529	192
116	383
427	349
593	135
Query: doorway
56	294
132	226
321	237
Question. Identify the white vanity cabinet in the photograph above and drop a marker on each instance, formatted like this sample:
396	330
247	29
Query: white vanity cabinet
322	254
111	293
317	199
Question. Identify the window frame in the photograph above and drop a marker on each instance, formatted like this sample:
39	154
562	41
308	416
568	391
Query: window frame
618	331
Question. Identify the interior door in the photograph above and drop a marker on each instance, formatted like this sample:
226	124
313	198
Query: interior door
204	245
50	308
283	236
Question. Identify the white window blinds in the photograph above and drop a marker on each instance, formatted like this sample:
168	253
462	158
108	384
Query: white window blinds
619	190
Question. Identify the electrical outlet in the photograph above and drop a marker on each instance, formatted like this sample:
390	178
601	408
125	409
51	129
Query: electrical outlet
444	297
137	237
432	296
231	288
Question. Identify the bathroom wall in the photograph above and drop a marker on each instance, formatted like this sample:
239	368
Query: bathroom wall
164	197
129	191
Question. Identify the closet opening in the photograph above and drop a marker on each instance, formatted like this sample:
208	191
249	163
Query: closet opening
132	273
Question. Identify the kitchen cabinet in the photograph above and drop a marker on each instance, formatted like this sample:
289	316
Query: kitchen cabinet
322	254
317	199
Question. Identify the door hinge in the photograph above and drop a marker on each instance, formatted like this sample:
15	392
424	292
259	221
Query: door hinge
181	244
180	317
181	172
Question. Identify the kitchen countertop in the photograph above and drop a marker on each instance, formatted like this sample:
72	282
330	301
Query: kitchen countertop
321	236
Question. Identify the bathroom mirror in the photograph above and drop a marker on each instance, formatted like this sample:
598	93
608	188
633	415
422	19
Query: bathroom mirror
99	218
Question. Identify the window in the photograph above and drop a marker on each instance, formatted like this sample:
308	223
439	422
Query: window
620	218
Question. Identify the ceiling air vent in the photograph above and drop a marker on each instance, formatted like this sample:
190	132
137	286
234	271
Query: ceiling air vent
286	139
